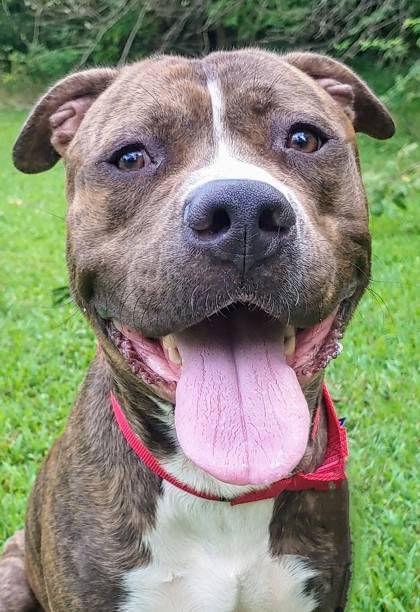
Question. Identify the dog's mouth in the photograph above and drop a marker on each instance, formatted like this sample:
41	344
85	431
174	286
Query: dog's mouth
234	378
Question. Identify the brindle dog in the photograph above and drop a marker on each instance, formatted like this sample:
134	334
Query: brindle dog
216	208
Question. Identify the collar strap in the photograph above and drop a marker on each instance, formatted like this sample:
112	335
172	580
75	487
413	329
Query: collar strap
329	475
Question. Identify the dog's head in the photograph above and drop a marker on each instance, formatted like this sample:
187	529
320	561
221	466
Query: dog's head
217	235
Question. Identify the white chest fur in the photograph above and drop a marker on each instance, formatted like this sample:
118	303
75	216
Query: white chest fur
213	557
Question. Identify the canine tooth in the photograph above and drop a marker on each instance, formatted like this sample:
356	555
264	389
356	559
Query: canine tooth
290	346
117	325
169	341
289	332
289	340
174	356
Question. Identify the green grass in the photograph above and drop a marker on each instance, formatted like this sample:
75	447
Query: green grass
45	350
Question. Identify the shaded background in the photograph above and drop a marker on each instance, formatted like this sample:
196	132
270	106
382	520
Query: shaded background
41	40
45	345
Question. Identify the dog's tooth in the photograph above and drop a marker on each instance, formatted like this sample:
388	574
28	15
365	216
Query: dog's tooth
290	346
117	325
289	332
289	340
169	341
174	356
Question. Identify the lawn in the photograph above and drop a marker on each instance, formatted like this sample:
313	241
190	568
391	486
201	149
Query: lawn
45	350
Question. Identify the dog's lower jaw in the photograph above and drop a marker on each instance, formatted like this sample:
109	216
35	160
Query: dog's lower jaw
152	420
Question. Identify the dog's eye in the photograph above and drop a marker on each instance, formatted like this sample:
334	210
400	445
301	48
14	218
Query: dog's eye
131	159
304	140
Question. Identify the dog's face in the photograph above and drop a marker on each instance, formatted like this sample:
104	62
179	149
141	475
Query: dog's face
218	235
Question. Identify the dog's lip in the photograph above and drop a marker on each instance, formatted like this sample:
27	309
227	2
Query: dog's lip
106	317
157	361
169	346
106	314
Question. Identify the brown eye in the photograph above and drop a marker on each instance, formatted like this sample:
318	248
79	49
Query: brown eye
304	140
132	159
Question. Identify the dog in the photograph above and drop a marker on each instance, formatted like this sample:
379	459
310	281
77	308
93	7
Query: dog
218	245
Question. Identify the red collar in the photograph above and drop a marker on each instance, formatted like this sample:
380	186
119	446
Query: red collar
329	475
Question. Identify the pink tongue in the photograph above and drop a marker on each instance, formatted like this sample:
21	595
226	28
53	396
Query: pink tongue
240	414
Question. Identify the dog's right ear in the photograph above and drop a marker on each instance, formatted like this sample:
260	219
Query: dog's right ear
57	116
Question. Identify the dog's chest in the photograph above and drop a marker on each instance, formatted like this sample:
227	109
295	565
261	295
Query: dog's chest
212	557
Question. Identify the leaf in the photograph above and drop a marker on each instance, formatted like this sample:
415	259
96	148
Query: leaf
61	295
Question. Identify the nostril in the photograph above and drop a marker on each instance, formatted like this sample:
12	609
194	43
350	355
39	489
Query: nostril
270	221
218	224
276	220
221	222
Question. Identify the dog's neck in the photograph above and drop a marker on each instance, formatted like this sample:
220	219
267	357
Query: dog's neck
152	420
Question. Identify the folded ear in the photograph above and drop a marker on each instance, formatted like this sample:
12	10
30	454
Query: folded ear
366	111
55	119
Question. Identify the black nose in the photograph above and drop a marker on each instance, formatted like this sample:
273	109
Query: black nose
240	221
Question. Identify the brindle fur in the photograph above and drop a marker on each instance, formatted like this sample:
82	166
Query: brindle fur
93	498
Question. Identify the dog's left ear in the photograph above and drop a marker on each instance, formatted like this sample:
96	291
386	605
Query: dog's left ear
365	110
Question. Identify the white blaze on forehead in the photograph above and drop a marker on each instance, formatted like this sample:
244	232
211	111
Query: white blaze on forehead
217	108
226	162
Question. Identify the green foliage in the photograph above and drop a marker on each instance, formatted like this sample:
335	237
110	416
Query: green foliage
43	39
39	64
397	181
383	30
406	89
